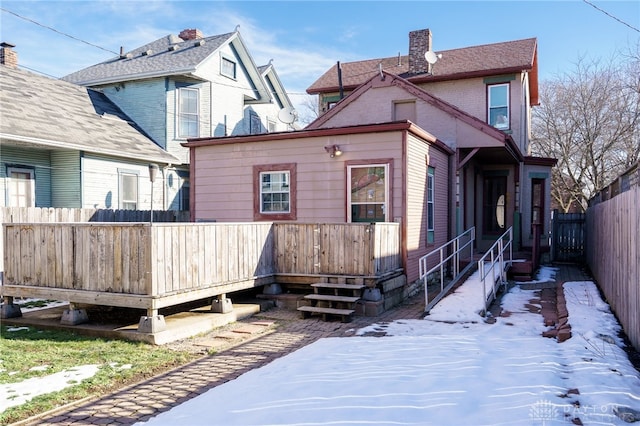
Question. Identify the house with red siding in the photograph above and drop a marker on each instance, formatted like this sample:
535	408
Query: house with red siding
408	144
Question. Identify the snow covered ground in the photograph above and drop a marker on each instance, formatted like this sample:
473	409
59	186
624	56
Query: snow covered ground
431	372
451	368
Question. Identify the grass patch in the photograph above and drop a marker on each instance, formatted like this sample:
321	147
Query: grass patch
29	352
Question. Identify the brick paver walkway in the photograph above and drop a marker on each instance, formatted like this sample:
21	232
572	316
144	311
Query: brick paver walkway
144	400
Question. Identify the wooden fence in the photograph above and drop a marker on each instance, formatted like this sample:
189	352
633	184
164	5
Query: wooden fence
336	249
568	237
60	215
153	266
613	255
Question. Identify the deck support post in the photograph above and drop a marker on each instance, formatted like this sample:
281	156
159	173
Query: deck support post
9	309
152	322
74	316
221	305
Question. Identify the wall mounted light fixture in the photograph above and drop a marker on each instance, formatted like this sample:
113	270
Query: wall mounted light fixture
333	150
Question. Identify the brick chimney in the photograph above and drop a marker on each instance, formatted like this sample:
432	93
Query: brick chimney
191	34
8	56
419	44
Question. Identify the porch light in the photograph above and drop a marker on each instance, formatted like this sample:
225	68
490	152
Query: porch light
333	150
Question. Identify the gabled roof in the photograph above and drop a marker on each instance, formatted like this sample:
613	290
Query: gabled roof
388	79
269	75
476	61
170	56
53	114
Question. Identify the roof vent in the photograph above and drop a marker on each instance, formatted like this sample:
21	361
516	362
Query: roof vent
199	42
146	52
173	47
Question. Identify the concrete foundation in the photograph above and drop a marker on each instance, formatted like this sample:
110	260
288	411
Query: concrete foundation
152	324
221	306
10	311
74	317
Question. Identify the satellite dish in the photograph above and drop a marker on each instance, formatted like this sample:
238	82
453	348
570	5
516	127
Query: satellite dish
431	57
287	115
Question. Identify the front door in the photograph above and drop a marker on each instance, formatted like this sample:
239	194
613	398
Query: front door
494	205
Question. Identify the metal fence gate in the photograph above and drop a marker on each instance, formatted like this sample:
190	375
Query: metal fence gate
568	237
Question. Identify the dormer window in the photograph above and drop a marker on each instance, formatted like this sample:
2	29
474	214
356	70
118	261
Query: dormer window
498	102
228	68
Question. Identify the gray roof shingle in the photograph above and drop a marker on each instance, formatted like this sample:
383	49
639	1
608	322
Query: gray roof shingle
169	55
56	114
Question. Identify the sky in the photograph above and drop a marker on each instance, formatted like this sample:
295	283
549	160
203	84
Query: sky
451	368
305	38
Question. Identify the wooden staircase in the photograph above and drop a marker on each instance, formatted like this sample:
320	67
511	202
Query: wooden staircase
332	299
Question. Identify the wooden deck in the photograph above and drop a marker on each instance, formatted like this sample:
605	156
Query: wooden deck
139	265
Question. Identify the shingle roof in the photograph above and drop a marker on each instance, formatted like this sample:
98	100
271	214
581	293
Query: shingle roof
55	114
488	59
168	55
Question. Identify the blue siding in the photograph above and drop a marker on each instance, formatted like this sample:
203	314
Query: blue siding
36	159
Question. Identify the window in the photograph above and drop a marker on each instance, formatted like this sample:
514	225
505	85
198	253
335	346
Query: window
228	68
128	190
494	204
255	125
271	126
430	205
499	106
185	196
537	202
368	193
275	192
188	113
21	187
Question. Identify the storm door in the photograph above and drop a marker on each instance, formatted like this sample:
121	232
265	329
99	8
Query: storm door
494	205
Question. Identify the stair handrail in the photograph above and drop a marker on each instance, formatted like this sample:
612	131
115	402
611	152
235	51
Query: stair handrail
456	246
496	254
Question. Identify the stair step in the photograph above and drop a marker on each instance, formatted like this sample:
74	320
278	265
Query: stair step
330	298
344	313
339	286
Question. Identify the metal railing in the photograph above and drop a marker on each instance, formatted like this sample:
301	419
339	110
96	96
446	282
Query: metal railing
455	247
496	254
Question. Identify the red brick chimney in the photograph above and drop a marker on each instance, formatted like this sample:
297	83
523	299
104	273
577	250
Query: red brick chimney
419	44
8	56
191	34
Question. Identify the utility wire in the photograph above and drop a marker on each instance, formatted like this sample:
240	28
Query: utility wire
56	31
611	16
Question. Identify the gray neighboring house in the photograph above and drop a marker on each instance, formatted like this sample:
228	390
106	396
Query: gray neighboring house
63	145
186	86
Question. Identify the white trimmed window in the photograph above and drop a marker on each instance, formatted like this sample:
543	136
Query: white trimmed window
275	192
21	189
188	114
128	183
368	193
499	106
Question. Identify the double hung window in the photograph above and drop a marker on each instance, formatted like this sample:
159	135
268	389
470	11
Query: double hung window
188	126
499	106
368	194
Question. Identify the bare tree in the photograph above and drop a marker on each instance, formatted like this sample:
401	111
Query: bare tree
588	119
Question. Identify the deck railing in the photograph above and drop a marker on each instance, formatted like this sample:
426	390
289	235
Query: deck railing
117	264
456	247
494	264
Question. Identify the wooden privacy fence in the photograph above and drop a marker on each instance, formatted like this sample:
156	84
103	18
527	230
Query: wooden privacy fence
568	237
613	255
154	266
